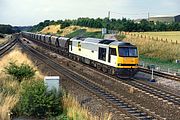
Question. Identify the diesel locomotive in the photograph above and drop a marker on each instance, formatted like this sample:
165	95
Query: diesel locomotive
111	56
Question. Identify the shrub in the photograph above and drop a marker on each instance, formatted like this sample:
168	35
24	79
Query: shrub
120	37
20	72
65	24
59	31
37	101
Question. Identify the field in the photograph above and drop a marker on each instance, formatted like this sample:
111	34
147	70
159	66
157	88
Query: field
155	51
170	35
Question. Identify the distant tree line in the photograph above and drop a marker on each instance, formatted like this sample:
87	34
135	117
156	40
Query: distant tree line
8	29
112	24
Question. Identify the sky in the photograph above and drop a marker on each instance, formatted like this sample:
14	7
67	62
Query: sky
31	12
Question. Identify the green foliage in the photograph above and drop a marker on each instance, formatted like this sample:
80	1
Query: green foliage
83	33
60	117
37	101
160	62
65	24
112	24
7	29
21	72
120	37
59	32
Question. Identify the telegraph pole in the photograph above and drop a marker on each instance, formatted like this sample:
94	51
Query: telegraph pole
108	22
109	13
148	16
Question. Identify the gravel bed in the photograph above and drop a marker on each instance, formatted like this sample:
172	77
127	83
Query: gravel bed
167	84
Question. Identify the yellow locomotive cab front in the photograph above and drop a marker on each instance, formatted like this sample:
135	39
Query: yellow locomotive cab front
127	61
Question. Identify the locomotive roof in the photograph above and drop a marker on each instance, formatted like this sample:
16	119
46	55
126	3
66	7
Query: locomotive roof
121	43
93	40
103	41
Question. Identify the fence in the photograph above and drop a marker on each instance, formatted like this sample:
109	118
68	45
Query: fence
159	68
151	38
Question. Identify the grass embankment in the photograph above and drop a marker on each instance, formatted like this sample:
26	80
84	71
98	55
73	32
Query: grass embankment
156	52
11	90
3	40
72	31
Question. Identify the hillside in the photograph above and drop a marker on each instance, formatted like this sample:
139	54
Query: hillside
8	29
55	29
72	31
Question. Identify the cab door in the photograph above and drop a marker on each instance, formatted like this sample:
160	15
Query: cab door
112	56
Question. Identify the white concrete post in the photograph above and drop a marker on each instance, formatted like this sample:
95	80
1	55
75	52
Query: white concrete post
152	76
168	70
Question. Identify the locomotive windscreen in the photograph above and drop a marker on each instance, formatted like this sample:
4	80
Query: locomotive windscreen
128	52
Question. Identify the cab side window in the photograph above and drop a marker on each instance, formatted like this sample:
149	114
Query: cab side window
113	51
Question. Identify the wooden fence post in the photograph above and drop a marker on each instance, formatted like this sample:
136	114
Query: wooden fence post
157	38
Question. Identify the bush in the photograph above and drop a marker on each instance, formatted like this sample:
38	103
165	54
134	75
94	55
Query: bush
120	37
59	32
65	24
37	101
21	72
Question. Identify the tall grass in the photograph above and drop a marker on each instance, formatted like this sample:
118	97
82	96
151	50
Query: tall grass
169	35
76	112
3	40
155	49
10	89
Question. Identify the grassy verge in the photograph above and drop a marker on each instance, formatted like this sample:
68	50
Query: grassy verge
161	63
3	40
10	88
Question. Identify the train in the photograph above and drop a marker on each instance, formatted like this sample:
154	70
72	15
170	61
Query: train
113	57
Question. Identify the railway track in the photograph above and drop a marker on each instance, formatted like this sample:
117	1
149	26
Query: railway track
165	95
160	74
131	109
7	47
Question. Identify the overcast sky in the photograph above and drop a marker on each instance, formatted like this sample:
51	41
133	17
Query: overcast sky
30	12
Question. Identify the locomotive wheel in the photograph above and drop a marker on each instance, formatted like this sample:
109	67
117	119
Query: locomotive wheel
98	67
104	69
112	71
